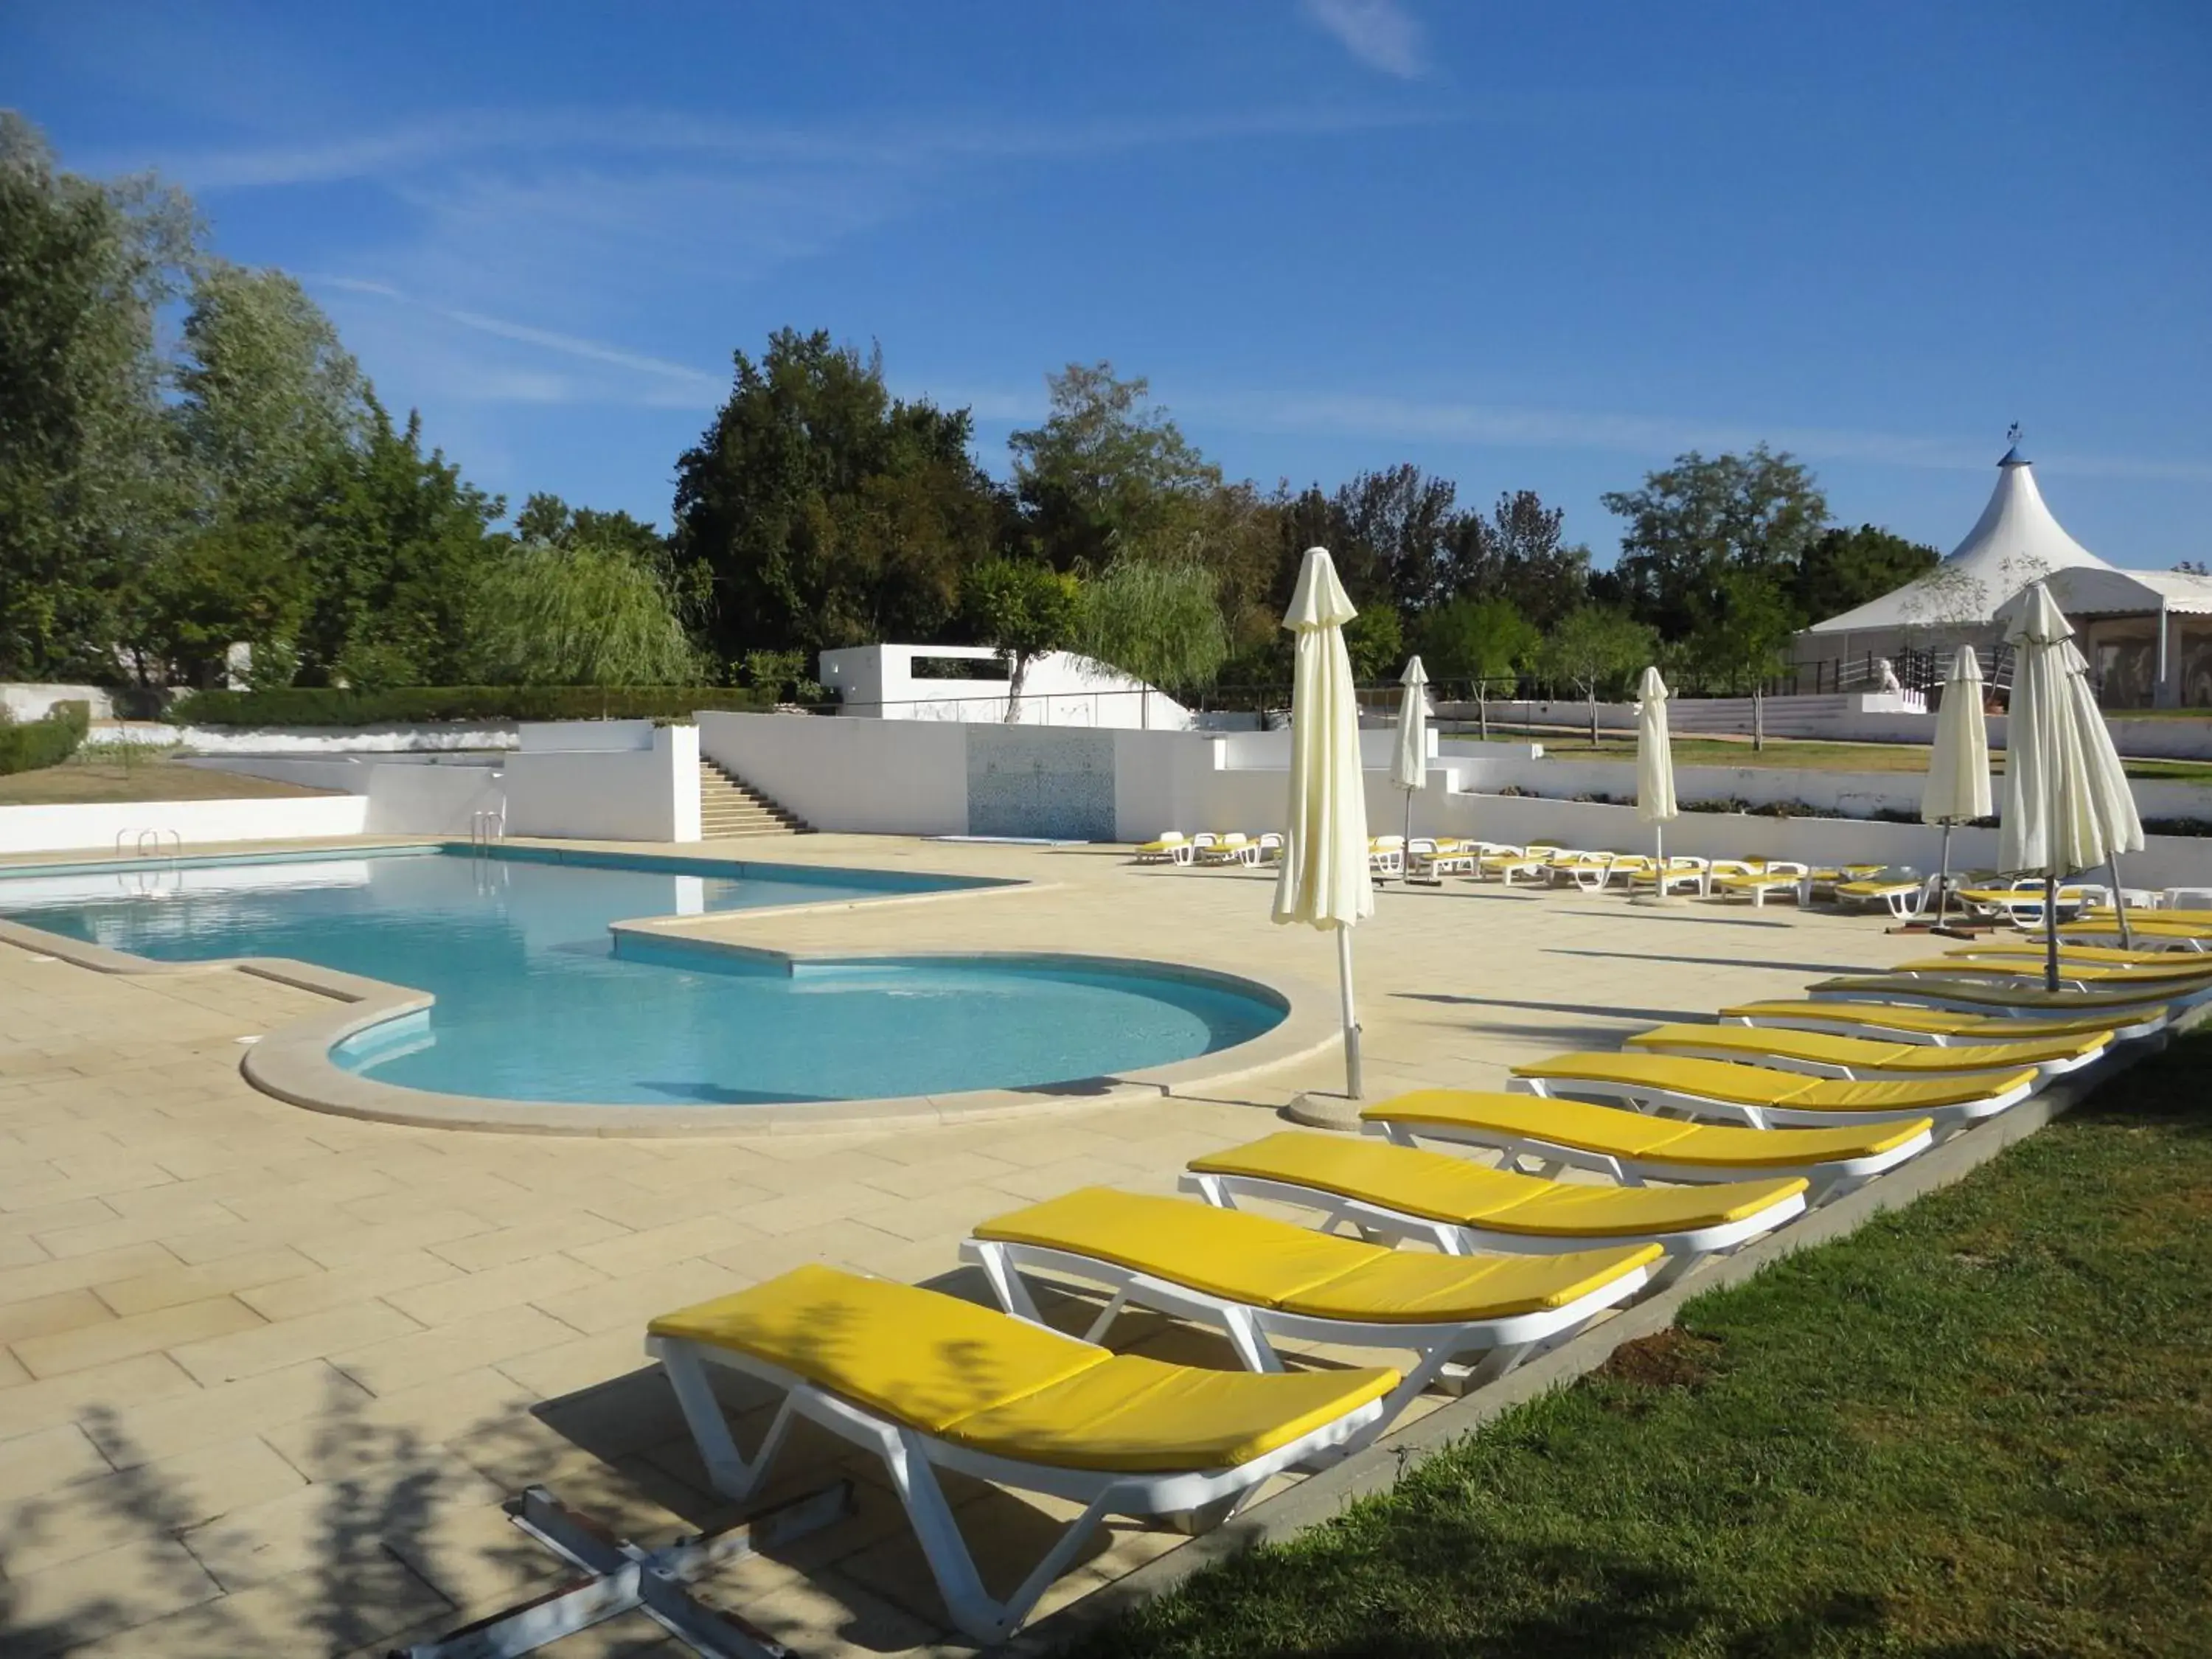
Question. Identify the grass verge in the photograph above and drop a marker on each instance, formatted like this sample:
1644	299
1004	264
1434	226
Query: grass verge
100	776
1979	1427
1807	754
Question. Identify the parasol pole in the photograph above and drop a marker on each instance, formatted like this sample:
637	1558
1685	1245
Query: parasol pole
1352	1080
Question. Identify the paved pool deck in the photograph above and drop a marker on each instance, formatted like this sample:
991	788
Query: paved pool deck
266	1374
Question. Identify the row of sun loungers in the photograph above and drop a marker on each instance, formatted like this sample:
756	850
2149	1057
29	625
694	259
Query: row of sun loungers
1734	1130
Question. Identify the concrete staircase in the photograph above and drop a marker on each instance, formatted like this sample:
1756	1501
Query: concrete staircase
730	808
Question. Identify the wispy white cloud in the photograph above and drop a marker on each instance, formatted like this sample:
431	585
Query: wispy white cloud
1381	33
1360	415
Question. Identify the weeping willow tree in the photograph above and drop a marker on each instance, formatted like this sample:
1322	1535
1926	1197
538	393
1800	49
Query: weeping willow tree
580	615
1160	621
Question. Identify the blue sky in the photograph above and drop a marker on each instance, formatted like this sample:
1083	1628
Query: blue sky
1524	246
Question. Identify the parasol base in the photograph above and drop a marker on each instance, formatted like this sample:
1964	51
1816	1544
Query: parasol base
1318	1109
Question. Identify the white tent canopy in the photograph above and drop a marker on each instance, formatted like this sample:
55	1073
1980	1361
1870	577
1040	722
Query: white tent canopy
2015	542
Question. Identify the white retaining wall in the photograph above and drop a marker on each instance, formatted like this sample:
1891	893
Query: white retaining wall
197	822
871	777
637	794
29	700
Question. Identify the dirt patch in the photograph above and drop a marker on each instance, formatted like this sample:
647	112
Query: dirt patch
1672	1358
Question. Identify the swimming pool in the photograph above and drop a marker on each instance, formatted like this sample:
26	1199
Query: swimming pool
537	1001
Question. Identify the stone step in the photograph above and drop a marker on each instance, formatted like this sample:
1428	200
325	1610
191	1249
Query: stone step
728	805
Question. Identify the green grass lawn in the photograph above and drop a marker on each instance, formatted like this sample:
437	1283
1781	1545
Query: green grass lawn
99	776
1807	754
1981	1426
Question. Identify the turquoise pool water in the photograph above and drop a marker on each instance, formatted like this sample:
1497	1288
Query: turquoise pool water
534	1003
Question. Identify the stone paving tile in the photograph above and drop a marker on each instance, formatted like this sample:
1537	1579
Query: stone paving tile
451	1315
89	1516
67	1606
288	1342
167	1287
184	1422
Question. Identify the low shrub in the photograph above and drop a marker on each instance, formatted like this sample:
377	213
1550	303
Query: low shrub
31	745
2177	827
1726	803
300	705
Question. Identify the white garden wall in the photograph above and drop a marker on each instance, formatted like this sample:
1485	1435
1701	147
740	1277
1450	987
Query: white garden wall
637	794
29	700
871	777
196	822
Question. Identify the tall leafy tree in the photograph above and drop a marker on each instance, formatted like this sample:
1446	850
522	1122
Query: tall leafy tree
1160	621
1595	649
1486	641
1519	554
1109	474
89	483
817	510
1743	639
269	408
1025	609
1844	568
1694	522
396	543
582	614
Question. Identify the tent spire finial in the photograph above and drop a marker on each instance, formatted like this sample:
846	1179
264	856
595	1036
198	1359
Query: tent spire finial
2012	455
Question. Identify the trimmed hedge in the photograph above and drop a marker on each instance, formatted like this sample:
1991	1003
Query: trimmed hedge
301	705
47	742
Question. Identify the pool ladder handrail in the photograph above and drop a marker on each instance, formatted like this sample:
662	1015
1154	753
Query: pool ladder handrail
148	844
486	826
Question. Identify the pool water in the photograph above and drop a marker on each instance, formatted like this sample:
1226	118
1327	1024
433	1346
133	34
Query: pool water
533	1003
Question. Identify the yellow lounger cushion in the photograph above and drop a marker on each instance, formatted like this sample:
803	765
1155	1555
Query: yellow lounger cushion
1877	1016
1619	1134
1441	1188
1261	1262
1755	1085
1999	993
974	1376
925	1358
1876	888
1757	879
2103	955
2026	967
1753	1040
1133	1415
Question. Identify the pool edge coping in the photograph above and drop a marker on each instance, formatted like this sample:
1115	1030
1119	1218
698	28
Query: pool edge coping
293	1063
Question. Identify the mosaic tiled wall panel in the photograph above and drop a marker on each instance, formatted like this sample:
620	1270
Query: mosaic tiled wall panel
1049	782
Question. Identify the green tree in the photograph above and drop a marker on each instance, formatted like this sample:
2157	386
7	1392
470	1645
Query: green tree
1695	522
269	407
1109	474
576	615
1486	641
819	511
1518	554
1744	640
394	544
1844	568
88	485
1024	608
1595	649
1159	622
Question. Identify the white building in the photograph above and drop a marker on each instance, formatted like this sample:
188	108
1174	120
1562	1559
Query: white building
2148	634
972	683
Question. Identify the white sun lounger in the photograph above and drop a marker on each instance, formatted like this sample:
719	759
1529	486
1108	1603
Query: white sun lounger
927	1381
1464	1208
1544	1135
1763	1097
1820	1054
1257	1280
1896	1022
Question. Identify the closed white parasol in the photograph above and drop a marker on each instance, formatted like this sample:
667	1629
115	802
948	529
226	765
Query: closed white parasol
1958	788
1409	761
2067	804
1655	764
1324	881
